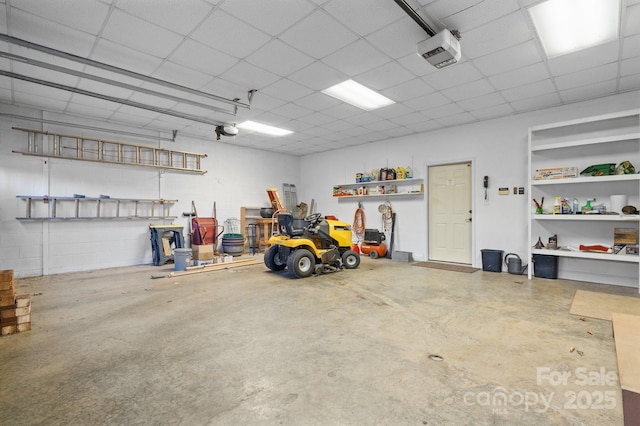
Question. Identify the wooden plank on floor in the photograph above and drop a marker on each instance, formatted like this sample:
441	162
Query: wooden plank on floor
600	305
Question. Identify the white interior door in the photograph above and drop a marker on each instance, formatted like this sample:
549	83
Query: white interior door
449	213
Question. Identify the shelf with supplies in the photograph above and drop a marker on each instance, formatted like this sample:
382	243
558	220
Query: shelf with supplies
89	208
592	163
380	188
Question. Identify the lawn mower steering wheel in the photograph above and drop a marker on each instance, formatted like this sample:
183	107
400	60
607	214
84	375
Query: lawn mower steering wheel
313	218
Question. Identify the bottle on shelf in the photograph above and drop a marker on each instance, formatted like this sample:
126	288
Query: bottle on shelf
557	208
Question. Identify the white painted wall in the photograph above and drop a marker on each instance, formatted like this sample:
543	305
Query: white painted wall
497	148
236	177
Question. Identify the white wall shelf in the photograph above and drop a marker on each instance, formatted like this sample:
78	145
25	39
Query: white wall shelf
608	138
404	187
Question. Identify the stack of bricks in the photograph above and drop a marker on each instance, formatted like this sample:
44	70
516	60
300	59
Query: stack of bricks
15	311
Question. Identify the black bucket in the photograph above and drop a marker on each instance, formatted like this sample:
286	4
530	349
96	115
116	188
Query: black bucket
492	260
545	266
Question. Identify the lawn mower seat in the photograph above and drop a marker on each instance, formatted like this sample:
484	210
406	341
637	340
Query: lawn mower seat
285	225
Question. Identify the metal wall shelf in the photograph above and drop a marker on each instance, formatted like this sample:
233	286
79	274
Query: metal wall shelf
103	208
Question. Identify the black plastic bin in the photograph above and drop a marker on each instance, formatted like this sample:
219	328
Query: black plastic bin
545	266
492	260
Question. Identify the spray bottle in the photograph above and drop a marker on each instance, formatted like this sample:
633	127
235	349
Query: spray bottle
557	208
587	207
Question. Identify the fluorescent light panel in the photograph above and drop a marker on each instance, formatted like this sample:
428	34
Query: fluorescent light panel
566	26
358	95
263	128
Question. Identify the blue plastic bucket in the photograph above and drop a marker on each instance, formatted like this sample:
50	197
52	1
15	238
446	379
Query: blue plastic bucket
181	257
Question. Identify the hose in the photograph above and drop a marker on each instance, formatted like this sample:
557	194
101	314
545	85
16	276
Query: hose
358	223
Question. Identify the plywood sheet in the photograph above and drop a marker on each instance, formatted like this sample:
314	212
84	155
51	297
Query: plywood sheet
626	330
600	305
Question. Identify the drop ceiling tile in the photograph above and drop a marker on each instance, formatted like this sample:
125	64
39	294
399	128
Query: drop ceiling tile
479	13
318	101
631	47
521	76
481	102
178	74
89	111
88	16
279	58
528	91
398	39
229	90
364	16
318	119
493	112
47	33
128	30
356	58
44	74
388	75
262	101
127	114
491	37
456	120
272	17
356	131
317	131
392	111
342	110
363	119
443	111
589	92
123	57
38	101
91	103
427	102
304	35
247	74
291	111
453	76
588	58
287	90
153	101
341	126
397	132
469	90
223	32
632	24
196	56
297	126
537	102
440	10
172	15
587	76
426	125
509	59
406	119
631	82
630	66
380	124
408	90
318	76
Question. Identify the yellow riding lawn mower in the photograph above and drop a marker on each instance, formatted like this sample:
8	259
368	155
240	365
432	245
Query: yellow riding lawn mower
323	245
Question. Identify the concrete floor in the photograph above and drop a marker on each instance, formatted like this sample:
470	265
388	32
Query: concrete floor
248	346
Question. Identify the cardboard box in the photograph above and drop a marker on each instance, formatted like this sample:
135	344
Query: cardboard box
625	236
202	252
23	327
6	275
8	329
23	300
7	297
202	262
23	319
556	173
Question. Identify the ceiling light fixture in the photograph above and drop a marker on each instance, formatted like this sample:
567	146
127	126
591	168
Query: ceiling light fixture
358	95
566	26
263	128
